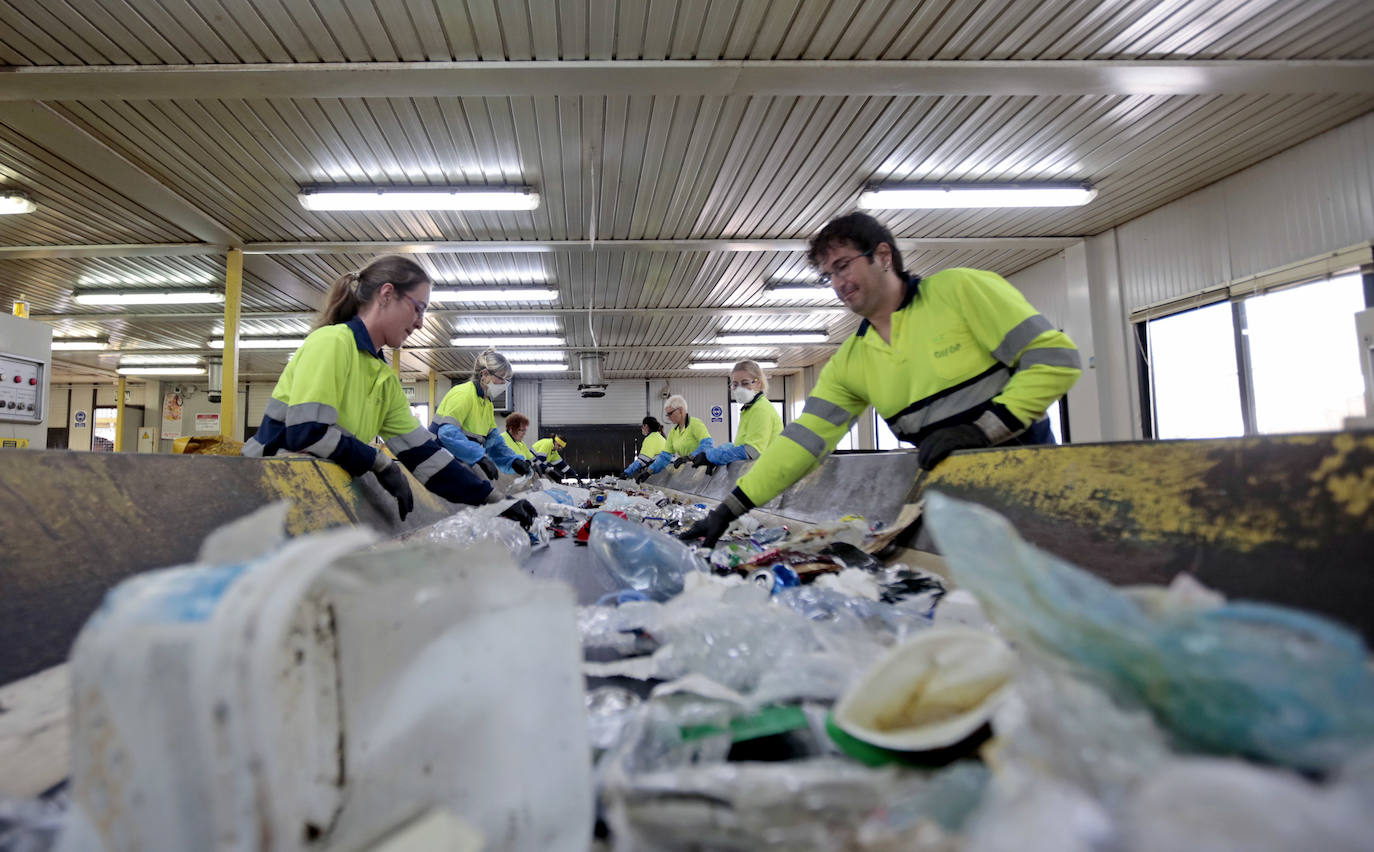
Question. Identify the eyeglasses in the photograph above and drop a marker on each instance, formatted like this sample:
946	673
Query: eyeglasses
420	308
670	412
747	383
842	266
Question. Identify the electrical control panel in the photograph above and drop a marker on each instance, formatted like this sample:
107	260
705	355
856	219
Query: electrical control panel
22	382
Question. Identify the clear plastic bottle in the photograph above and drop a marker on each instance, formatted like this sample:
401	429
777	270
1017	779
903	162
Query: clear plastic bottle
643	559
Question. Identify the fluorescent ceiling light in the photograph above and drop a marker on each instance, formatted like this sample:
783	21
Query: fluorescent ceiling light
14	202
539	368
479	325
478	342
725	365
261	342
159	278
420	198
508	294
799	294
148	297
161	371
777	338
79	344
157	360
948	196
523	277
535	355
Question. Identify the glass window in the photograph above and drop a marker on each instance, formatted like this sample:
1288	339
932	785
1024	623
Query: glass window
1056	421
1304	356
850	441
103	430
1193	374
886	439
421	412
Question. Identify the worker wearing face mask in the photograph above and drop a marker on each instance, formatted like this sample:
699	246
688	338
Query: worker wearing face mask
759	422
466	419
654	443
546	452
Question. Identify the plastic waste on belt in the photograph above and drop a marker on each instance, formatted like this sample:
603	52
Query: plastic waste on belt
643	559
1243	678
318	694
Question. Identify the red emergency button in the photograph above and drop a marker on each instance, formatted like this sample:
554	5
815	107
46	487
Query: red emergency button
33	381
17	380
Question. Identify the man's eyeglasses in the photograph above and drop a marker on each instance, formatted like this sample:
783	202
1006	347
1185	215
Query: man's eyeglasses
420	308
840	267
670	412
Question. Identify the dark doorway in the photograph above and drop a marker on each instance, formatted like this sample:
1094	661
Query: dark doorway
597	450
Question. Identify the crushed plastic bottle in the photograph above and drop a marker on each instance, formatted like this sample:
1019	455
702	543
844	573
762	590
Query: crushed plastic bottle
643	559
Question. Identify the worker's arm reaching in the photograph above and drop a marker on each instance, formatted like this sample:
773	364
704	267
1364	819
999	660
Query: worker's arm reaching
417	449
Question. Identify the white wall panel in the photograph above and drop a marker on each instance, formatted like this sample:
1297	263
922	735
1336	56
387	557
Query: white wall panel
1175	250
1044	285
702	394
1315	198
562	404
525	399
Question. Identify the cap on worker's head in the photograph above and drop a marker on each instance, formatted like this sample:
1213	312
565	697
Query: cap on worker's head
559	442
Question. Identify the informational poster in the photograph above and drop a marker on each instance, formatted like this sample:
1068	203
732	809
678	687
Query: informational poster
171	415
207	423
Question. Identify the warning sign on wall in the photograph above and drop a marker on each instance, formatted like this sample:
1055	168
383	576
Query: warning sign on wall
207	423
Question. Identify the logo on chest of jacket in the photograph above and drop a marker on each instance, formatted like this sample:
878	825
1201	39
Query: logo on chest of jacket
948	350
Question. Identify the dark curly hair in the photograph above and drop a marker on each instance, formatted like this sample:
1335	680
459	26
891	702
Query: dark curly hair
856	229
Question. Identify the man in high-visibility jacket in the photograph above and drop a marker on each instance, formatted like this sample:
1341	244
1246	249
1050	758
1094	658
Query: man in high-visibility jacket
956	361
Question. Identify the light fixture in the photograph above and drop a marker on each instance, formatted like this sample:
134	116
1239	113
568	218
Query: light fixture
478	325
536	355
135	279
419	198
940	196
519	277
726	365
15	202
148	297
158	360
539	368
79	344
775	338
161	371
792	293
479	342
261	342
508	294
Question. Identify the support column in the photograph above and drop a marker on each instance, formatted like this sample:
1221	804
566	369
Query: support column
396	362
119	414
233	307
432	377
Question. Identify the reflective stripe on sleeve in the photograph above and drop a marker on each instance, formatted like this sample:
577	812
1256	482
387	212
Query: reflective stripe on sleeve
1020	337
808	440
828	411
1051	357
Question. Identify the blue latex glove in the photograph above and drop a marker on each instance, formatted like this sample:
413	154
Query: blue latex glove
464	449
661	462
706	444
635	467
726	453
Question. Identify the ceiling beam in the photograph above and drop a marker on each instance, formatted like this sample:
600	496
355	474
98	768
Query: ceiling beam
723	245
689	77
486	313
512	246
628	347
111	250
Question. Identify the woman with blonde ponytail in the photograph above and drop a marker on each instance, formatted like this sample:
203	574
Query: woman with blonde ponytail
337	394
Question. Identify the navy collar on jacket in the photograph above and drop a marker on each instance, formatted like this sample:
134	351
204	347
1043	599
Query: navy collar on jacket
363	339
913	285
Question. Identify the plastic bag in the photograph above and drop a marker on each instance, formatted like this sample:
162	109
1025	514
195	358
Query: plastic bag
1251	679
463	528
643	559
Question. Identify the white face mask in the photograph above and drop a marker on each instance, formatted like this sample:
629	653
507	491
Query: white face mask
496	391
742	395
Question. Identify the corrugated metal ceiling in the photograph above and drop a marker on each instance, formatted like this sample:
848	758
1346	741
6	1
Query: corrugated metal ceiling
622	167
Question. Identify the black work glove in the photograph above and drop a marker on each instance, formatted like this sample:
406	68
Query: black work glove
394	480
522	512
680	461
711	469
520	466
710	528
942	442
489	468
643	474
700	460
